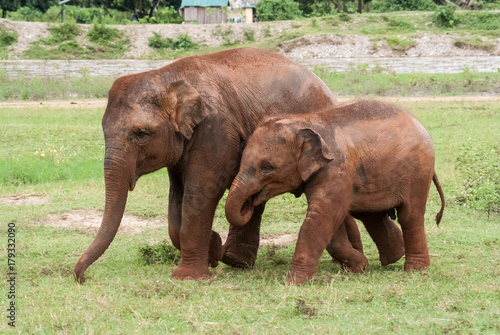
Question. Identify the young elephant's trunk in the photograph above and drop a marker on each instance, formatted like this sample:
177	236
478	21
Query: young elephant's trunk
118	183
239	203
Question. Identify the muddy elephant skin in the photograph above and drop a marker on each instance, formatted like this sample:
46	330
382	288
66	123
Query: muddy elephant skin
194	117
366	158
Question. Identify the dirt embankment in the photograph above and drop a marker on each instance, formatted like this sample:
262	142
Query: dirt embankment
307	47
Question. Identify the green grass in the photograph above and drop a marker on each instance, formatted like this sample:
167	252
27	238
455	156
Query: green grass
21	88
459	293
356	81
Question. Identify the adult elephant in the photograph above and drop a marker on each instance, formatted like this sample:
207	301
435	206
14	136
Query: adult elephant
193	117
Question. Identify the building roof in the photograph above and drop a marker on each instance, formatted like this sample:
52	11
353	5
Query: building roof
242	3
204	3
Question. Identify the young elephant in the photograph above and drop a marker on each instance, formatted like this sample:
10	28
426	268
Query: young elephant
365	158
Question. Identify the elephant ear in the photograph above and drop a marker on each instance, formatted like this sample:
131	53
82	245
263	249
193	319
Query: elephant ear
314	153
189	108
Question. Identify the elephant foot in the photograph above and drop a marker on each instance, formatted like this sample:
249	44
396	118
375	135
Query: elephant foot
191	273
241	256
357	266
392	256
215	252
421	263
294	279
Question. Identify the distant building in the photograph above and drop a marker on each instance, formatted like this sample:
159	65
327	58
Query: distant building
204	11
242	10
218	11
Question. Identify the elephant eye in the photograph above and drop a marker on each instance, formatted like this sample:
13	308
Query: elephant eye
266	168
141	135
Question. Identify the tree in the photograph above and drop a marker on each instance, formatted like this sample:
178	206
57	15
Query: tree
9	6
276	10
42	5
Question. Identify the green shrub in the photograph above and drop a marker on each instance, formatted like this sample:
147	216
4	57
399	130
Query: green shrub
63	33
161	253
479	165
277	10
481	20
249	34
7	38
399	5
400	44
101	34
183	42
163	15
344	17
445	16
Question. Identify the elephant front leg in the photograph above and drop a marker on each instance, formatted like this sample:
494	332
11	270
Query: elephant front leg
322	221
242	244
175	219
196	235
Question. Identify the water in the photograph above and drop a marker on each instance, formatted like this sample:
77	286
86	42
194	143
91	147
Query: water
117	68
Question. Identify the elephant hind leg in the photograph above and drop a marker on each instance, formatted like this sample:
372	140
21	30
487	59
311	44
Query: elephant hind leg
412	224
386	235
344	251
242	244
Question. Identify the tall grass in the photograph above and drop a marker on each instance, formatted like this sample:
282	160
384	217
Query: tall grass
459	293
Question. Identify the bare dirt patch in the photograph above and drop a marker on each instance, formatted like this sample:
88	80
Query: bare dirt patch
24	200
89	221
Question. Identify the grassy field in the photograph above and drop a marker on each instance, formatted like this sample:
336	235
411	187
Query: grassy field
57	155
355	81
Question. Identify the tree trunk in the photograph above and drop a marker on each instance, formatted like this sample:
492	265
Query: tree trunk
360	6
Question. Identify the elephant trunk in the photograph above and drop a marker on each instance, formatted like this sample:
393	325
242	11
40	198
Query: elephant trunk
117	183
239	203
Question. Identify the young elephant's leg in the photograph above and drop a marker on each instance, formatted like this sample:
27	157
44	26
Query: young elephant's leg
326	212
412	223
353	233
386	235
343	250
242	244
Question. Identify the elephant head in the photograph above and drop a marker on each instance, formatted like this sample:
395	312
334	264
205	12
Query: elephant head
279	157
146	124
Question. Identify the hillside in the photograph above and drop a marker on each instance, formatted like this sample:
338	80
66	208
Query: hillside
303	39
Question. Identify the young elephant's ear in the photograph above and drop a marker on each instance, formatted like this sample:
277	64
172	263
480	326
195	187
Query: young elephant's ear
189	109
314	153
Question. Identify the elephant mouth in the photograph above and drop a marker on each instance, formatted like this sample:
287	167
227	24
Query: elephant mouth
132	183
246	210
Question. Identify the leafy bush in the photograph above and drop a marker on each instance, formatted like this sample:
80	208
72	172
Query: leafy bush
101	34
249	34
163	15
277	10
161	253
445	16
183	42
479	165
7	38
398	5
481	20
63	33
400	44
26	14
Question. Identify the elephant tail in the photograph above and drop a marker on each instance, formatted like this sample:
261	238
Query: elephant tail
439	215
